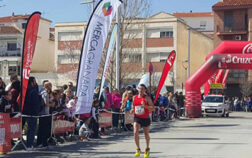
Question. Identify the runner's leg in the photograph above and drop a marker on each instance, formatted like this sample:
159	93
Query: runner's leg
136	134
147	136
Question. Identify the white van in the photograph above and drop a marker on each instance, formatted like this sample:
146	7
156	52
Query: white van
214	105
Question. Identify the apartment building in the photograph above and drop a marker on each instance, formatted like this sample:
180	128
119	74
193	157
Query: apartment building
145	40
11	46
200	21
68	44
233	21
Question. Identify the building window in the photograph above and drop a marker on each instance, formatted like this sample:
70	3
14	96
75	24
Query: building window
23	25
166	34
238	74
228	21
203	24
132	58
70	36
13	70
246	21
11	46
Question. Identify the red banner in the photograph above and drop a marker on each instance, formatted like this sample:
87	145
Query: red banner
15	127
150	68
219	75
62	126
225	78
29	45
5	138
167	67
105	119
129	118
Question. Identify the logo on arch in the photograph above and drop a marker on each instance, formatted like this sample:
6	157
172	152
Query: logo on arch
107	9
247	49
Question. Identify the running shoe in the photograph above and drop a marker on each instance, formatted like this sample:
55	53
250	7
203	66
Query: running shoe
147	153
138	152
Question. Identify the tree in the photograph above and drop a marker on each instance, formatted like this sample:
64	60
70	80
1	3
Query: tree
246	89
131	11
70	58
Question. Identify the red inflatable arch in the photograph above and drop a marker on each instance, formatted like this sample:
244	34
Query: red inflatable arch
228	55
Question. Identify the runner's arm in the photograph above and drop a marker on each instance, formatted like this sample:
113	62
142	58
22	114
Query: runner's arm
150	106
133	105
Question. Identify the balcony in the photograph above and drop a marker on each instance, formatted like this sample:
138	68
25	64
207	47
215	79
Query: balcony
231	31
10	53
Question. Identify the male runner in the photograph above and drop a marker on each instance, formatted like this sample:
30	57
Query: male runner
142	106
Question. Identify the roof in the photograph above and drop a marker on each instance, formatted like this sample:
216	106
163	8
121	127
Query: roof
162	15
9	19
9	30
233	3
193	14
52	29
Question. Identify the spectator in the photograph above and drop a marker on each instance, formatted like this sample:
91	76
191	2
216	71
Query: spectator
71	88
126	107
68	96
44	130
124	96
71	105
2	87
13	78
84	131
43	84
181	99
116	104
134	90
5	105
94	119
108	101
15	91
32	107
164	103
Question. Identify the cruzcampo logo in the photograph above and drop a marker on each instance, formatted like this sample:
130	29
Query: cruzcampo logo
107	9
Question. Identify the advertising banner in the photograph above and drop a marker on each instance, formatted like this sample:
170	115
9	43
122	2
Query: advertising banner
105	119
62	126
5	137
15	127
167	67
29	44
109	55
93	44
129	118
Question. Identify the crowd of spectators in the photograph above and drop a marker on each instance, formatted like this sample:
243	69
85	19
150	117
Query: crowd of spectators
41	103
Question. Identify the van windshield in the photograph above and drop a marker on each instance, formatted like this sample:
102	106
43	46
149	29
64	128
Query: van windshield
213	99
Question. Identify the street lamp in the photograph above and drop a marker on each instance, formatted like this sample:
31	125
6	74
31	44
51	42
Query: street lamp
189	52
184	62
88	2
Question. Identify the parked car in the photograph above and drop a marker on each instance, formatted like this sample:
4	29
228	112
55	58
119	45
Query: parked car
214	105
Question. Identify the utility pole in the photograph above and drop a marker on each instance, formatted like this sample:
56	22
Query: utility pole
189	49
118	49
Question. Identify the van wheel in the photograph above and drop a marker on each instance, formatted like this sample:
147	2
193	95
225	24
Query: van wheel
224	113
227	114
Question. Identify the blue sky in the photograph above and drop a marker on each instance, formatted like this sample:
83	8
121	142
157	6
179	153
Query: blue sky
72	11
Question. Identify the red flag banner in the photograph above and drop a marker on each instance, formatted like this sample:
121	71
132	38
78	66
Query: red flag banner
225	78
29	45
167	67
150	68
219	75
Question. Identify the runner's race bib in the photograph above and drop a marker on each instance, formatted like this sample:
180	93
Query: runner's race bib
139	110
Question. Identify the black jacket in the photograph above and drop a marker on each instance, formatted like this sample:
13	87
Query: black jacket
32	104
3	103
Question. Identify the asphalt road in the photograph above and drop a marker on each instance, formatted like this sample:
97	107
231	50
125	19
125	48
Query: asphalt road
185	138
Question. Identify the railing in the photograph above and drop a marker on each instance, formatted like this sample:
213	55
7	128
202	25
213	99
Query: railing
226	29
10	53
